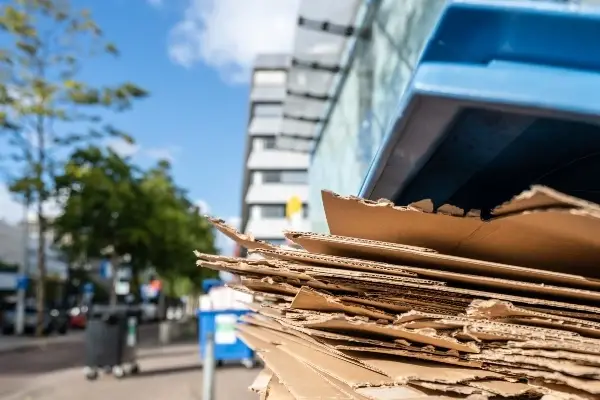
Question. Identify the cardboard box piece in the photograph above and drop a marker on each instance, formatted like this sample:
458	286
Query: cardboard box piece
418	302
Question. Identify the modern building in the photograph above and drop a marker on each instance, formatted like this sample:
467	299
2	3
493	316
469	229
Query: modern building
272	176
18	246
350	68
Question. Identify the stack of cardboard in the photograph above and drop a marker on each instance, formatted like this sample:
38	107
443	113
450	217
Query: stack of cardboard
412	302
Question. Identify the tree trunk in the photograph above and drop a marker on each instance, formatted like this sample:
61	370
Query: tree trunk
41	261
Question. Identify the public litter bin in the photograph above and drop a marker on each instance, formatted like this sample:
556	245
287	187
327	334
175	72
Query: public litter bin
227	346
110	343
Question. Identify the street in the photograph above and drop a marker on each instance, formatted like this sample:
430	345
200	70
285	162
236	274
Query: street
55	372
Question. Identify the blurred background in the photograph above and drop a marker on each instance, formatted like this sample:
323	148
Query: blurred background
122	122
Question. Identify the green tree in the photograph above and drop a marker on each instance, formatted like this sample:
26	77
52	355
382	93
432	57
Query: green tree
46	107
110	202
176	229
104	208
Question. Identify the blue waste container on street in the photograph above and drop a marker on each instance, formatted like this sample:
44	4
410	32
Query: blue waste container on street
228	347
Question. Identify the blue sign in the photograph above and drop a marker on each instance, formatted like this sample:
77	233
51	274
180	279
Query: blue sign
88	288
22	282
106	269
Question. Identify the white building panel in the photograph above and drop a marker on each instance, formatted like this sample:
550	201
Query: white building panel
272	228
277	159
275	193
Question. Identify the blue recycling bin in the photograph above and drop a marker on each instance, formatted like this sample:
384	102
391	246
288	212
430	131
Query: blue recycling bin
228	347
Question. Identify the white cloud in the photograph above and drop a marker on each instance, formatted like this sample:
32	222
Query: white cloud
122	147
155	3
168	153
228	34
11	210
125	149
203	206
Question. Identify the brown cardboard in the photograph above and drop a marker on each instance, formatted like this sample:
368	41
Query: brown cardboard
277	391
586	385
353	375
262	381
492	309
308	299
460	389
404	371
510	238
457	279
345	246
247	241
341	323
566	367
299	379
396	290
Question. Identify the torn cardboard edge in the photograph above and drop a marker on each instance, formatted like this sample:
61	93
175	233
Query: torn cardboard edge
300	272
261	382
340	322
402	372
511	238
277	391
332	245
371	250
446	276
247	241
352	285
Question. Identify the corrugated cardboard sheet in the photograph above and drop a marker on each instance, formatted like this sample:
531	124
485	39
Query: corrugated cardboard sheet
414	302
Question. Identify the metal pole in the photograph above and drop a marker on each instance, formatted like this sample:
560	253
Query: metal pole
208	368
23	269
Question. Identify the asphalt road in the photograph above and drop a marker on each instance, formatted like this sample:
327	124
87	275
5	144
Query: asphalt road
174	372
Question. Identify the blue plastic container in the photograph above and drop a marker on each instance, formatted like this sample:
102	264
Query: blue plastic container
228	347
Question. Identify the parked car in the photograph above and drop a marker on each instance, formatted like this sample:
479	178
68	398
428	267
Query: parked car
54	320
78	317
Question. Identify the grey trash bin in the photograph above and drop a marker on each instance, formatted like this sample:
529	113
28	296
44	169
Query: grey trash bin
110	343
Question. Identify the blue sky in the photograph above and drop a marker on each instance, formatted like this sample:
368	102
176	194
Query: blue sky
194	57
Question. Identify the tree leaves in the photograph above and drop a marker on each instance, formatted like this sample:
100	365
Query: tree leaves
111	202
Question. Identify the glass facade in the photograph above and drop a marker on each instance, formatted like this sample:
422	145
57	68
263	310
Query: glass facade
376	80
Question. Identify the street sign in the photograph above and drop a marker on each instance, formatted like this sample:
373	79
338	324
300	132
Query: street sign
106	269
88	288
22	282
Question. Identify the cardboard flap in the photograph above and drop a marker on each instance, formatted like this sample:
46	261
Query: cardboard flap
542	198
262	381
353	375
457	279
277	391
511	239
343	324
244	240
378	251
307	299
299	379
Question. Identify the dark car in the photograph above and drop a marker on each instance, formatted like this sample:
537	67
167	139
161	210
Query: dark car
55	319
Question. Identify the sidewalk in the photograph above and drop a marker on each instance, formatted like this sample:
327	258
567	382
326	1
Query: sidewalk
10	343
171	372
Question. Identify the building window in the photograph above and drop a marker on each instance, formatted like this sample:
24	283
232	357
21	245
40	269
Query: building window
271	176
269	142
272	211
267	78
286	177
294	177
